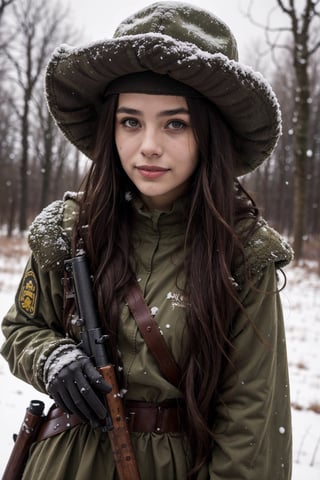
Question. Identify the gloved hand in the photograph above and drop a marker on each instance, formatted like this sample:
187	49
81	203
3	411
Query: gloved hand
75	388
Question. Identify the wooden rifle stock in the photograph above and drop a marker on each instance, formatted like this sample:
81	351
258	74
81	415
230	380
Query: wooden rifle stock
93	344
27	435
119	436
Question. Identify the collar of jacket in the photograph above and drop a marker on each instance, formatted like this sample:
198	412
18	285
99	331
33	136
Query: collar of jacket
50	238
168	221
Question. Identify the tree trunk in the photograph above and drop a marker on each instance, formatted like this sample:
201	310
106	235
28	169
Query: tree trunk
302	119
47	163
24	195
11	219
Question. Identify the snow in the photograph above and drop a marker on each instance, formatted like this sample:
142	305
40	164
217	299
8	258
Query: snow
59	358
301	303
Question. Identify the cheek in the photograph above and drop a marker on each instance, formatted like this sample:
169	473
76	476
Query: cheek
194	155
118	138
121	147
125	146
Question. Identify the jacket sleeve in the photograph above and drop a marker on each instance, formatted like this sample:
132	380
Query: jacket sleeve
253	421
32	327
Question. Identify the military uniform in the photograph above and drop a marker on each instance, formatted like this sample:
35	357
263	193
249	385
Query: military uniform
252	416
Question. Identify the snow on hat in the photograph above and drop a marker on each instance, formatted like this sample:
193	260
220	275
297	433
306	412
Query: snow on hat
179	40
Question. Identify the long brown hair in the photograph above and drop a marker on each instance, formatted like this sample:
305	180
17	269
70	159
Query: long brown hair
217	203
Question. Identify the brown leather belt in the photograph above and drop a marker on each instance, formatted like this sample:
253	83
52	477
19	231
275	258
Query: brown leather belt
57	421
163	417
166	417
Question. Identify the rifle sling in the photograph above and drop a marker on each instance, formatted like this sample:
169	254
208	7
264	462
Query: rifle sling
148	329
152	336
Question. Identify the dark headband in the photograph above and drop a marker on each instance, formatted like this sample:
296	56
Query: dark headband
150	83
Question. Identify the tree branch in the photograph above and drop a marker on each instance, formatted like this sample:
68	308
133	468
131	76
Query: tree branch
249	16
284	8
3	5
314	49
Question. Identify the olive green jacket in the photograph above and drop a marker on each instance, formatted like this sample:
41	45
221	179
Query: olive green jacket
252	417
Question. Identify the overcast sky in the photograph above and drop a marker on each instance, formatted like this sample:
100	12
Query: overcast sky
99	18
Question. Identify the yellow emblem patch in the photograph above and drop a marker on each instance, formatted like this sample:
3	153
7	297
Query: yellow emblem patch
28	296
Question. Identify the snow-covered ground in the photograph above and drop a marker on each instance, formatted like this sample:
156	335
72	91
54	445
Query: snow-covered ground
301	302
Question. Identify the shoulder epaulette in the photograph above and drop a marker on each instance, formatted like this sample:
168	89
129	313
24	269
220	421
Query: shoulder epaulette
50	233
266	246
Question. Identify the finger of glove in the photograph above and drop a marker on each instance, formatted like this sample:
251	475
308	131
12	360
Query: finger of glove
95	378
66	391
86	398
56	390
61	403
59	388
73	406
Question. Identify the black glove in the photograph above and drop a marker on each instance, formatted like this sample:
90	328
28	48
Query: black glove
75	389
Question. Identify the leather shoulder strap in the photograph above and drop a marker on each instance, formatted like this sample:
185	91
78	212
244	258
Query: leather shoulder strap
152	336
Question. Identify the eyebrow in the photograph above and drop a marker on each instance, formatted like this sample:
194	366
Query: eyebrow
163	113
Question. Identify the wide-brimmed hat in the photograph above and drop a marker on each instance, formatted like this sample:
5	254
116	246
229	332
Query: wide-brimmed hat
187	43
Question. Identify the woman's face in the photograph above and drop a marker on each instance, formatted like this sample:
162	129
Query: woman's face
156	146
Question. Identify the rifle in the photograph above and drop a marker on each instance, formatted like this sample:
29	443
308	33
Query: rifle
92	343
27	435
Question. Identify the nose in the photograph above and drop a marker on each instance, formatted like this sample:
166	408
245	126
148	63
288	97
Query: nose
151	145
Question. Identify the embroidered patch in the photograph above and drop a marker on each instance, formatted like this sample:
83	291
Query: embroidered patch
177	300
29	292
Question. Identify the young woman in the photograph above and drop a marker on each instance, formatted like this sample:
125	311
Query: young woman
170	119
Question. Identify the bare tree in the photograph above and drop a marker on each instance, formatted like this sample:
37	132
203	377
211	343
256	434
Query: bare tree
34	155
313	174
57	159
36	23
303	21
8	163
302	50
3	5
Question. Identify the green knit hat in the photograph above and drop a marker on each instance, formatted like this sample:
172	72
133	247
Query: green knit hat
175	39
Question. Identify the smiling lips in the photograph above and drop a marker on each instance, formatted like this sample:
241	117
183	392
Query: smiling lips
151	171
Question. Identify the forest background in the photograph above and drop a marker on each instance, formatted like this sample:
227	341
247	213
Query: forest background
37	164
